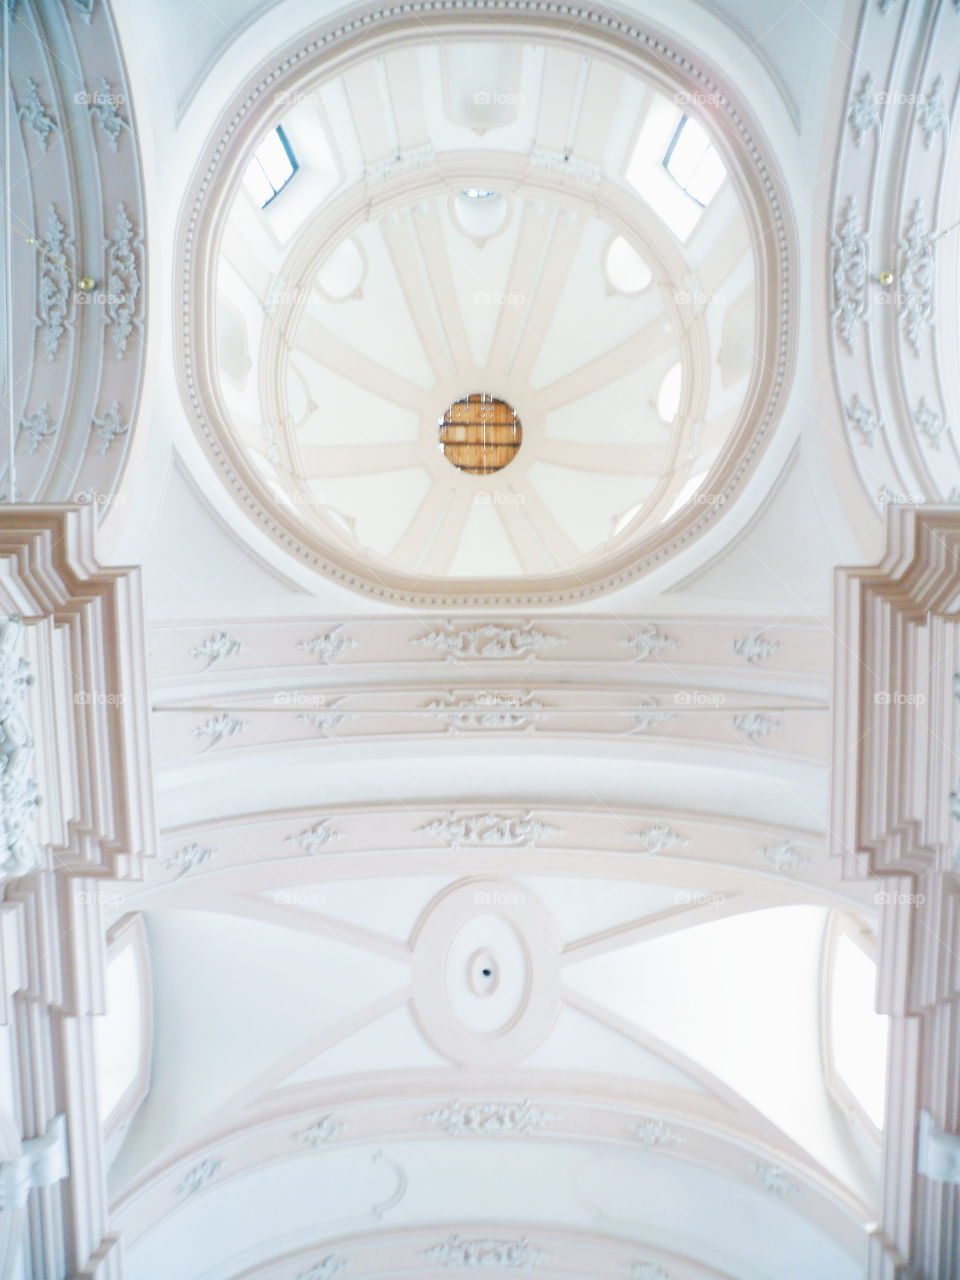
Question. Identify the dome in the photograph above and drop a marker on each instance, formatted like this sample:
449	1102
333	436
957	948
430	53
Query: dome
502	220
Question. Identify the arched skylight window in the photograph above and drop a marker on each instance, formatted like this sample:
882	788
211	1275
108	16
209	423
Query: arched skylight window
693	163
272	167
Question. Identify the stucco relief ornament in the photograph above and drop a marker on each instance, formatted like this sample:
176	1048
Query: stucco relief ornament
776	1180
216	647
660	838
328	718
491	640
84	8
863	115
219	727
123	283
648	1271
328	646
785	857
104	102
331	1265
651	717
197	1178
487	1254
489	1117
930	423
865	419
648	640
53	284
655	1133
109	427
37	427
316	837
932	113
36	114
916	278
488	709
19	851
188	858
849	276
754	725
322	1131
494	830
755	647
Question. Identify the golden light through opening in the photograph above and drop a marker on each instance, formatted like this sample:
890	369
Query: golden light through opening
480	434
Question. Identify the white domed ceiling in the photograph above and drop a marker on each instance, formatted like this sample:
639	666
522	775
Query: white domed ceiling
473	222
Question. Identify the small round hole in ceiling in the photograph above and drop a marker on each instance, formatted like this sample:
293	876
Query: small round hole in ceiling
480	433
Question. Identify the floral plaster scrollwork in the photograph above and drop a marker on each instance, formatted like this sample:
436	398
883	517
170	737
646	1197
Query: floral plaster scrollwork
776	1180
320	1132
785	857
655	1133
916	278
104	103
123	282
108	427
648	1271
326	1269
652	716
649	640
863	115
19	850
488	709
866	420
755	647
492	829
328	646
54	308
216	647
753	725
660	838
486	1253
849	276
316	837
491	640
35	113
930	424
37	427
188	858
489	1117
932	113
219	727
195	1179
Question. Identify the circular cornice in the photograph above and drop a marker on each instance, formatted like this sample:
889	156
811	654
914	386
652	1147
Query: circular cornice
602	32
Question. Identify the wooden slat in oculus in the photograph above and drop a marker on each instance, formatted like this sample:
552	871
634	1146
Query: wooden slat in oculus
480	434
